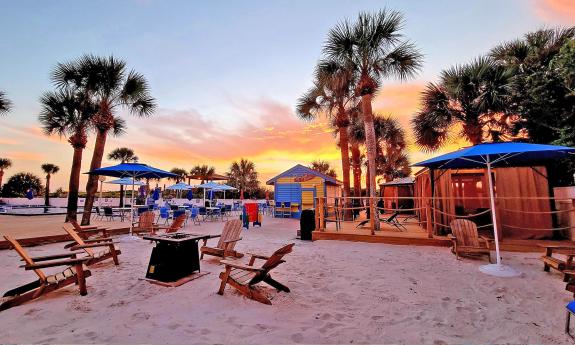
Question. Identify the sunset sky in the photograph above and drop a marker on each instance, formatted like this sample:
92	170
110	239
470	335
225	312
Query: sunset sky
226	74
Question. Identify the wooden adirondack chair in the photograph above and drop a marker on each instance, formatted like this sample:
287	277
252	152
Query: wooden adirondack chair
88	230
145	224
73	274
243	277
466	240
176	225
88	246
227	241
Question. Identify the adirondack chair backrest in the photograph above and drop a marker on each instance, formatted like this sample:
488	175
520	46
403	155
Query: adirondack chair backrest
276	258
24	256
232	231
77	238
177	223
146	221
465	232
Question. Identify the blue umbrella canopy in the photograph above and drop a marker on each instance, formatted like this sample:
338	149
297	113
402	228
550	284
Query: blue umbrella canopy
498	155
30	194
190	195
126	181
180	186
133	170
209	185
224	187
156	194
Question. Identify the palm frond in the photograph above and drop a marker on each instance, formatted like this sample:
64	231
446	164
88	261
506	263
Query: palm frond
5	104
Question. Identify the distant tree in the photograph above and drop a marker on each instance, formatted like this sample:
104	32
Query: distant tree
18	185
323	167
49	170
124	155
243	176
203	172
5	163
5	104
180	174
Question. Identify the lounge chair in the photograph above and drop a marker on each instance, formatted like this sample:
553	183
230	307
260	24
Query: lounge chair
176	225
243	277
227	241
391	220
89	230
73	274
145	224
88	246
550	261
466	240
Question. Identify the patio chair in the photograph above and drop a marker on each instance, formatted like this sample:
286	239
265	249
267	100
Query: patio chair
194	216
202	211
75	273
88	230
278	209
110	214
164	214
244	277
177	224
99	213
145	224
286	209
466	240
88	246
227	241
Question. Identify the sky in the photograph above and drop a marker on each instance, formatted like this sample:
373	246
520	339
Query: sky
226	74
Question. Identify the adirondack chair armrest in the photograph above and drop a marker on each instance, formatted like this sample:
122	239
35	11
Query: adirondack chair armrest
231	241
93	245
451	237
91	231
258	256
239	265
102	239
55	256
66	262
87	227
205	240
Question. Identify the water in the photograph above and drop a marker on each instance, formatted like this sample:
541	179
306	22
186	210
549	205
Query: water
32	211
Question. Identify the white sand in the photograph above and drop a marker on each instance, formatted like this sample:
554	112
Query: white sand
342	292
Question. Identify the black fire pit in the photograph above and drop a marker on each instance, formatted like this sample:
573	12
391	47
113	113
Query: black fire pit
175	256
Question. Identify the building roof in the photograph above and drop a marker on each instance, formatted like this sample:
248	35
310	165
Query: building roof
300	170
400	181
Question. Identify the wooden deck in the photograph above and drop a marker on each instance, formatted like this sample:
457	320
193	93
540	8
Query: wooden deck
415	235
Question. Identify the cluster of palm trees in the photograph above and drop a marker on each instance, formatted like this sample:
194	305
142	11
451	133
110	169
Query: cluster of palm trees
243	176
323	167
483	100
199	172
88	93
48	168
357	57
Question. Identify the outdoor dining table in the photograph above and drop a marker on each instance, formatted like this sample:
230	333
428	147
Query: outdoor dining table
211	211
122	210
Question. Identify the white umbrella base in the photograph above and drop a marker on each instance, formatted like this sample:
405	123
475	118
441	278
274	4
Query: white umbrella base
129	238
499	270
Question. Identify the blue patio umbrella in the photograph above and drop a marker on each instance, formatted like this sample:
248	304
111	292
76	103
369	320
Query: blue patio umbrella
190	195
156	194
134	171
208	186
180	186
224	188
492	155
30	194
126	181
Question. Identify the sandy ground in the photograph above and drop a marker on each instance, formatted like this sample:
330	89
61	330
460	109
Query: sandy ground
342	292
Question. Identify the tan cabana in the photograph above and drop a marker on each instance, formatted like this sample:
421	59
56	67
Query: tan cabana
398	193
522	199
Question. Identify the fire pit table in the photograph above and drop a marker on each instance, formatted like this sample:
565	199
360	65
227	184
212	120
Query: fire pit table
175	256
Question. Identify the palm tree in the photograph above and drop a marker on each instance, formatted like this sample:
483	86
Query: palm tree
108	84
472	97
68	114
323	167
5	163
124	155
5	104
331	95
202	172
243	176
373	47
180	174
49	170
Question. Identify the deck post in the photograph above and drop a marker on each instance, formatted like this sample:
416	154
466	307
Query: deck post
428	222
321	214
372	214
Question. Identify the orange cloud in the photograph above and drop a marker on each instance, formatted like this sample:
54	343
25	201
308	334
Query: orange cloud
556	10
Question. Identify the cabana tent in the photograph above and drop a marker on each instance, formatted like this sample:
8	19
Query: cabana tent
398	193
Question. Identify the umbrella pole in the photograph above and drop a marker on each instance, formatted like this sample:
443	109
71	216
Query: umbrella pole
493	215
132	210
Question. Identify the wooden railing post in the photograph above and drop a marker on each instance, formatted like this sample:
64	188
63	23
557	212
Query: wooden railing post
321	225
428	222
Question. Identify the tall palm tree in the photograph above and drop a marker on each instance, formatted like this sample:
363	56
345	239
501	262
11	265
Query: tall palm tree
203	172
374	48
472	97
332	95
108	83
5	163
5	104
67	113
180	174
123	155
243	176
49	170
323	167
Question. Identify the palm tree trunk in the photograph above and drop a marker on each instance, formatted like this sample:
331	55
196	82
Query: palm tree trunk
473	132
370	144
47	191
92	185
345	166
1	176
356	163
74	185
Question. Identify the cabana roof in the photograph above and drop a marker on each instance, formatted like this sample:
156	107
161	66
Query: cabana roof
400	181
300	170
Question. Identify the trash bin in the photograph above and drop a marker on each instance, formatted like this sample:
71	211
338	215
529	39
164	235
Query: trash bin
307	224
